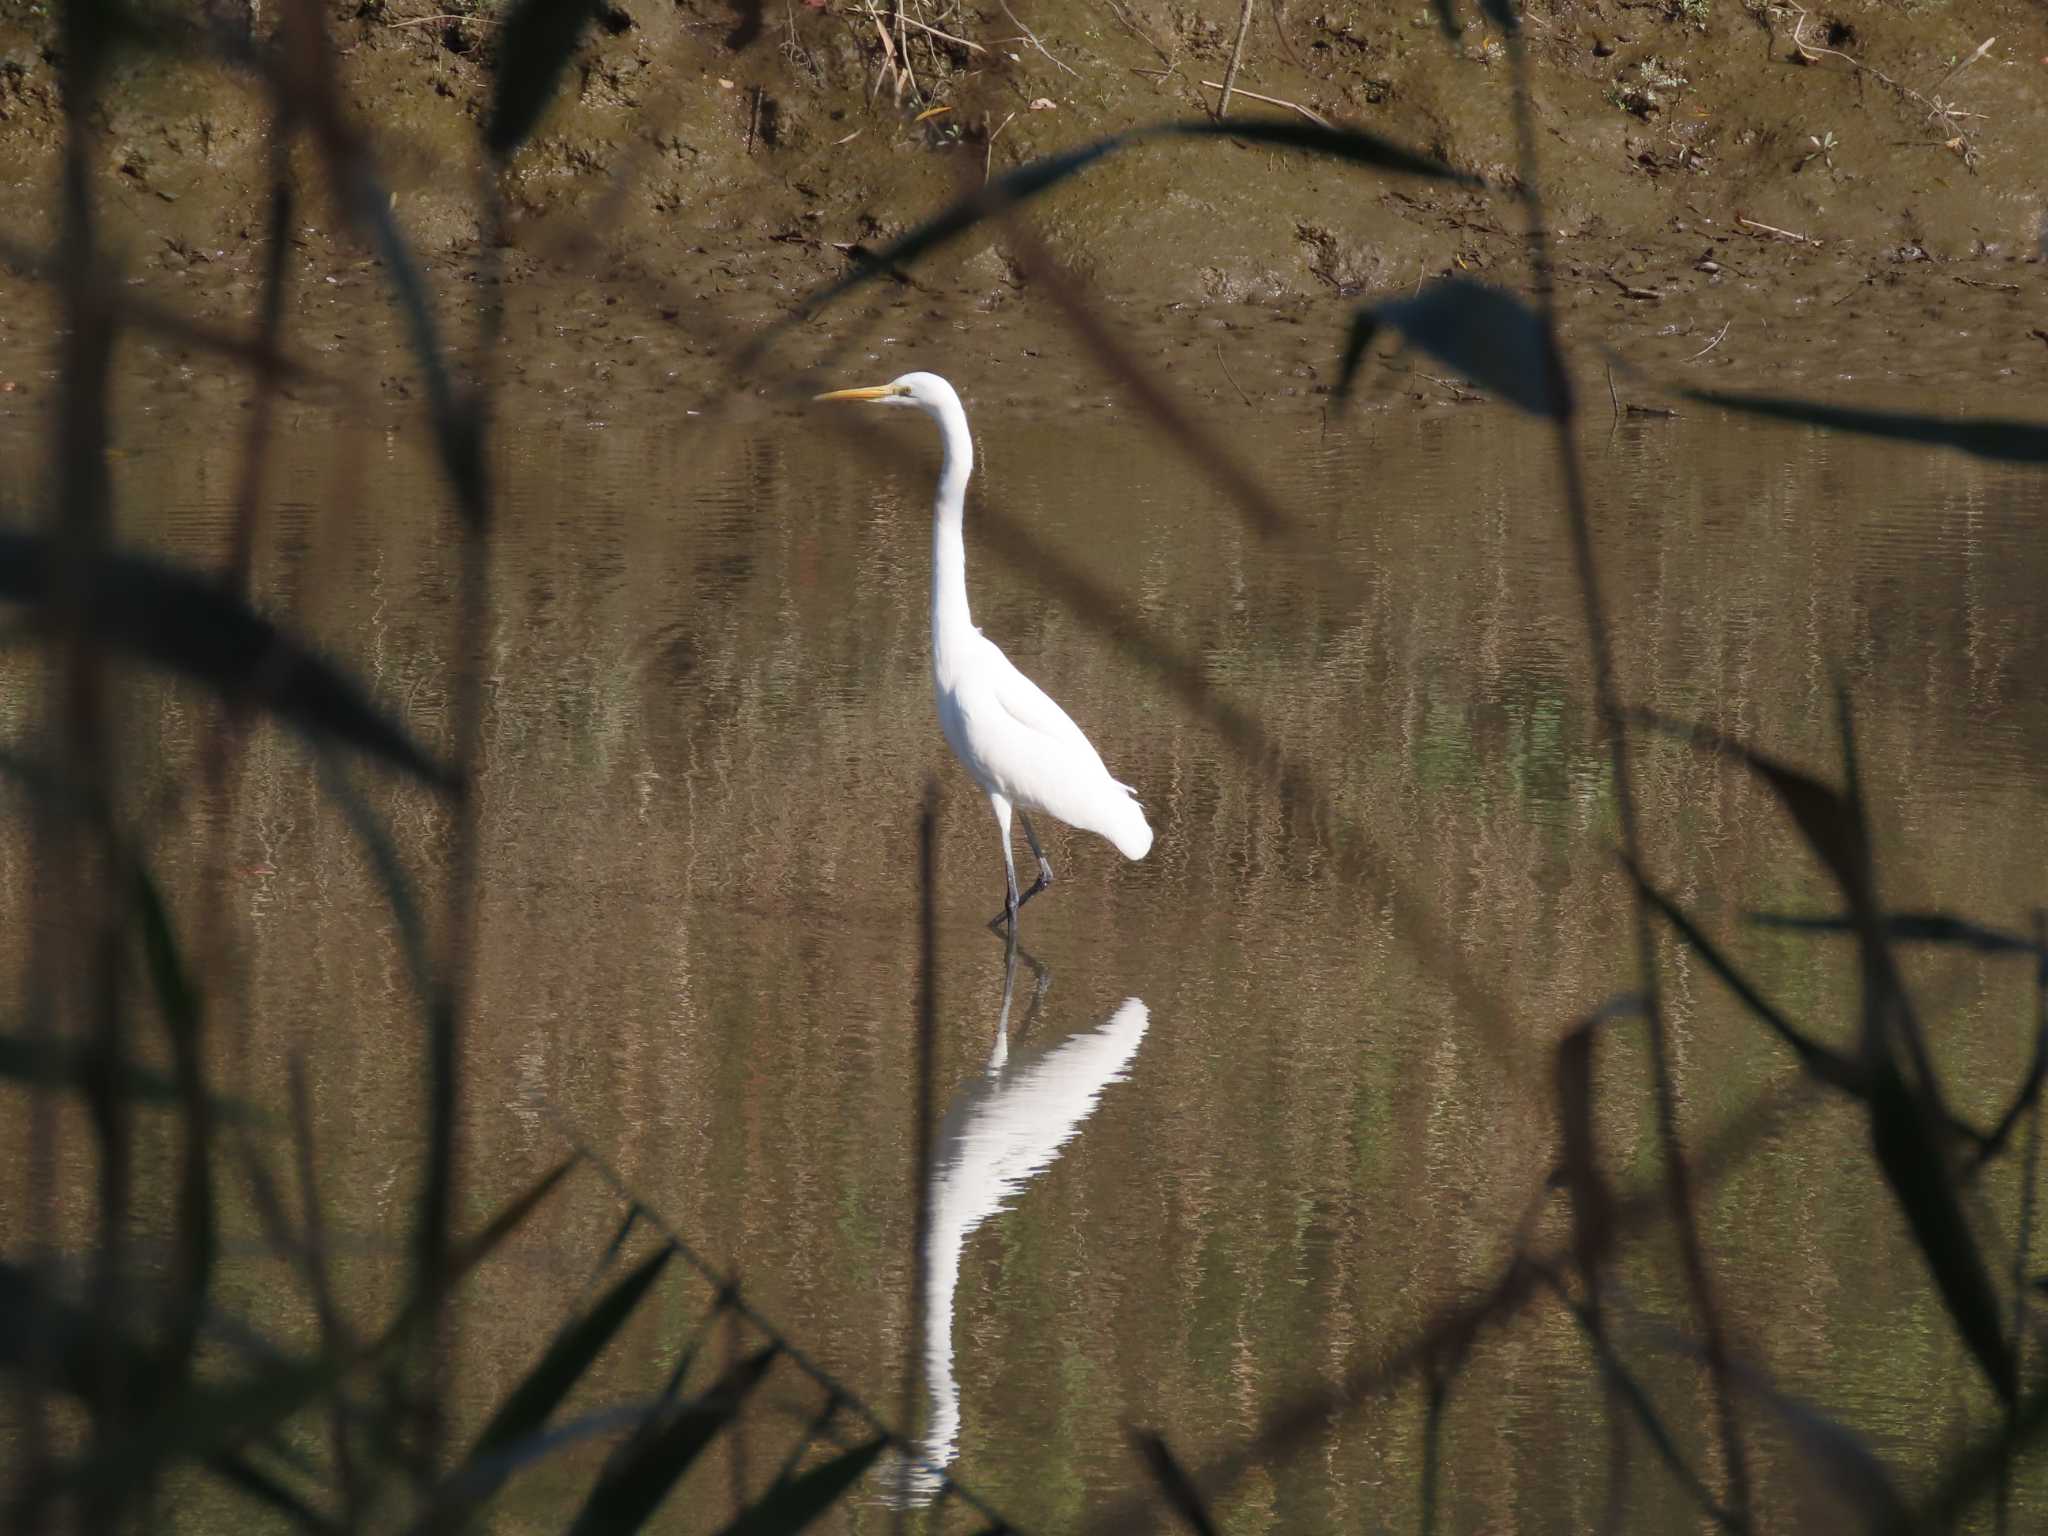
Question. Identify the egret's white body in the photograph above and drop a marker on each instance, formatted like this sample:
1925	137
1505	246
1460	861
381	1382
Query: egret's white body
1014	741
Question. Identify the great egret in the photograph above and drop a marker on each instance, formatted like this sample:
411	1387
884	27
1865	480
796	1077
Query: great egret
1014	741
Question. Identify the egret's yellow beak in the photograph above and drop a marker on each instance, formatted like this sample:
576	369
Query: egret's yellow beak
872	392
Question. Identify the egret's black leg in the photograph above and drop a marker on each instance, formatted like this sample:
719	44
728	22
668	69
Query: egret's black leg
1010	902
1044	880
1006	920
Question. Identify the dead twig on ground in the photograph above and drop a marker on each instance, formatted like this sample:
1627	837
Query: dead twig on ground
1703	351
1777	233
1937	109
1031	37
988	156
1274	101
1124	19
1225	365
424	21
911	21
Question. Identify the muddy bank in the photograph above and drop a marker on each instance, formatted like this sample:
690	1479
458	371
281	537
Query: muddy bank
1755	195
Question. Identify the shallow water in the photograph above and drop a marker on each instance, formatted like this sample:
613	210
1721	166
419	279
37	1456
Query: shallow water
1286	1088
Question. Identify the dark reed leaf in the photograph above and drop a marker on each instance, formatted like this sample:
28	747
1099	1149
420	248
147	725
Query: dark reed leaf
1006	191
267	1490
1914	1161
187	624
1365	327
1823	815
1036	177
1579	1160
634	1484
790	1506
1489	336
309	78
464	1257
1447	19
1823	1061
197	1235
479	1478
1843	1458
535	44
1640	1405
335	1333
2029	1089
1908	1120
69	1065
389	868
1907	927
746	28
1352	145
1502	14
1986	437
207	1421
1909	1128
144	314
40	1330
574	1349
1966	1477
1179	1491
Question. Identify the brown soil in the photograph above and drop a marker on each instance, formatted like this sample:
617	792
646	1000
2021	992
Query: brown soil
726	181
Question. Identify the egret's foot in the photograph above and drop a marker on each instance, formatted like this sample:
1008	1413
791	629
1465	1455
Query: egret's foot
1007	918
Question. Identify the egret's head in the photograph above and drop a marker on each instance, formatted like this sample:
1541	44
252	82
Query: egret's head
926	391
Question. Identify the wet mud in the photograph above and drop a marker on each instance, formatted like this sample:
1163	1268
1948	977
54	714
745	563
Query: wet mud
1762	196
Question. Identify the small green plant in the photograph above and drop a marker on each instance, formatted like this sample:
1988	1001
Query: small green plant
1823	150
1692	12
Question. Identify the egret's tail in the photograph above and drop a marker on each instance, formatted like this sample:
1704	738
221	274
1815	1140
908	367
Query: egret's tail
1127	828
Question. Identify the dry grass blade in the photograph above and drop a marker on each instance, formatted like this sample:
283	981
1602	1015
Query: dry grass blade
1181	1495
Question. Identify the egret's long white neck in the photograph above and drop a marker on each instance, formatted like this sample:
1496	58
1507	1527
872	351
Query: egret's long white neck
950	618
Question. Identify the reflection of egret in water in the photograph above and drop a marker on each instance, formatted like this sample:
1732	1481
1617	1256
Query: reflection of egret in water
1002	1129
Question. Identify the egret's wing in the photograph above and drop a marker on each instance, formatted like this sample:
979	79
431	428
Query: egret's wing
1033	708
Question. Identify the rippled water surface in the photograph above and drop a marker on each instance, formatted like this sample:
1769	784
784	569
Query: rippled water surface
1272	1097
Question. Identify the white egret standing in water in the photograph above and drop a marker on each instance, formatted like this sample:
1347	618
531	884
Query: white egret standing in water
1014	741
